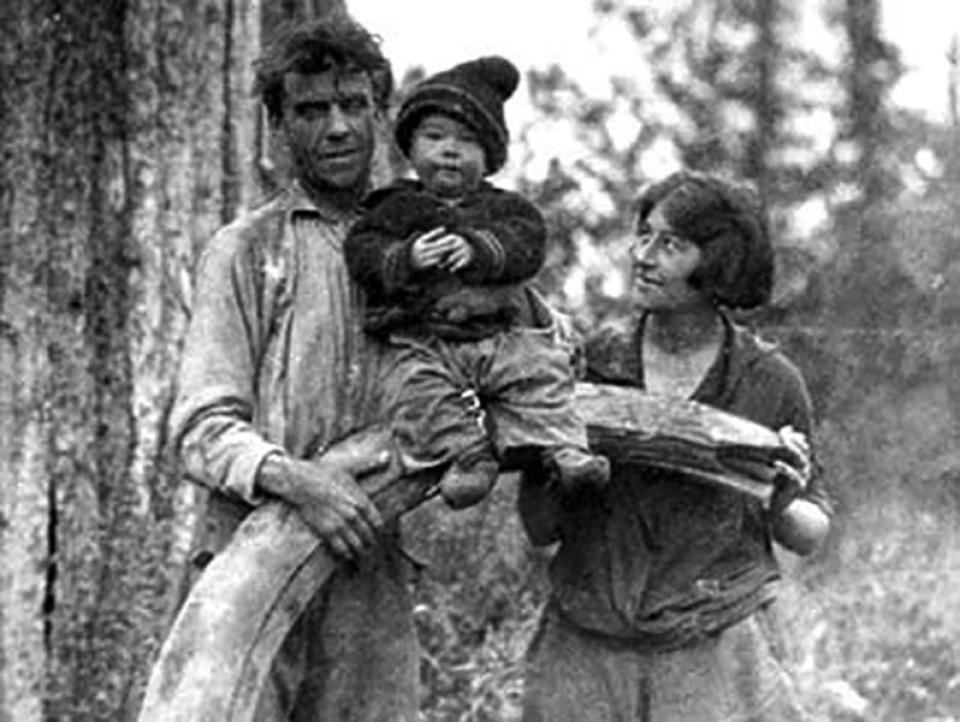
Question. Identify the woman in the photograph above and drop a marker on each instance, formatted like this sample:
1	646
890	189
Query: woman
660	584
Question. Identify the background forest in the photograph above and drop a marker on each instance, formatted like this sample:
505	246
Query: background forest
128	135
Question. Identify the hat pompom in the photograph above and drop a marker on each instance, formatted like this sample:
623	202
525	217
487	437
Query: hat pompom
498	72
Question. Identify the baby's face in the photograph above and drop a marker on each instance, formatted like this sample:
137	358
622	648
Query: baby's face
447	156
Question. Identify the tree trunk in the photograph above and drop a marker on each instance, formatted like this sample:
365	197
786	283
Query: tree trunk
871	290
766	102
125	138
129	136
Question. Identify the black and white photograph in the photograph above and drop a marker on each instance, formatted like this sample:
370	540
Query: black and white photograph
461	361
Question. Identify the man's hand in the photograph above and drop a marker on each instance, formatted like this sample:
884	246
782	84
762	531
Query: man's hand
439	249
328	499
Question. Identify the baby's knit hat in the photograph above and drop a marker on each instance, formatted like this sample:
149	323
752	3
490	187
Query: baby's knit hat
474	93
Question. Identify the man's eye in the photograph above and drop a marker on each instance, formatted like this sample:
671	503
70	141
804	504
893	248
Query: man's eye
313	111
354	105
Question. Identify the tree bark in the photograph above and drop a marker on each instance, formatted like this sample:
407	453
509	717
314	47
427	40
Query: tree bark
125	134
24	491
767	102
129	136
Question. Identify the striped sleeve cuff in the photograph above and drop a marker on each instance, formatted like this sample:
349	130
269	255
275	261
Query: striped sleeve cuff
490	251
394	267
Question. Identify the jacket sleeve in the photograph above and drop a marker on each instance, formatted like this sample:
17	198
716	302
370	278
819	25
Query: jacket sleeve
377	248
796	410
211	423
509	238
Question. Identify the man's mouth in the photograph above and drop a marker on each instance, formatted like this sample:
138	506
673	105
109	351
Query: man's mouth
338	154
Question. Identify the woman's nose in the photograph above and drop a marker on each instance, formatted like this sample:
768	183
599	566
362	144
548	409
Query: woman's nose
642	253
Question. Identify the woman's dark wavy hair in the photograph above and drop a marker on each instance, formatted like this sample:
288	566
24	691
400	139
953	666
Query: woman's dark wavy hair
313	47
727	221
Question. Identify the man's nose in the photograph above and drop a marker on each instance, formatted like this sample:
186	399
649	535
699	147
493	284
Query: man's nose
337	125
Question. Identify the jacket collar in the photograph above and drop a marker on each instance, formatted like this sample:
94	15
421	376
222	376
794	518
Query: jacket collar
294	200
614	356
745	349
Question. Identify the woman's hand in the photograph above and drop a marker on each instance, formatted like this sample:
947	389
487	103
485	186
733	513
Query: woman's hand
792	476
798	524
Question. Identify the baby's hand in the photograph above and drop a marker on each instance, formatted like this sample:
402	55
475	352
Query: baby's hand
438	248
426	250
459	255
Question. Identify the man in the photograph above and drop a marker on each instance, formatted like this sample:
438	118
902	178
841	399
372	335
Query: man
276	367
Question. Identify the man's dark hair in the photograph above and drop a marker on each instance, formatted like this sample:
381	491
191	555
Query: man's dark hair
313	47
727	221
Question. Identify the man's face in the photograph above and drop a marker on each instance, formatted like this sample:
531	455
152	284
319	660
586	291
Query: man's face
328	120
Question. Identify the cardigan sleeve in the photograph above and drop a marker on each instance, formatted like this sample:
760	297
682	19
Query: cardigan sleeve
377	247
795	408
508	235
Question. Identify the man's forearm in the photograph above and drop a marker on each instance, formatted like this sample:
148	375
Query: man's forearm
225	452
274	478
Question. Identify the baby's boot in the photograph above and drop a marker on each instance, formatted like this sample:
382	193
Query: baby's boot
575	468
466	483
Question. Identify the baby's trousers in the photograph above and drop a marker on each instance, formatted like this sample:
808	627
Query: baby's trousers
522	378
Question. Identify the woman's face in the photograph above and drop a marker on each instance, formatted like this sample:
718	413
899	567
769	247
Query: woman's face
662	262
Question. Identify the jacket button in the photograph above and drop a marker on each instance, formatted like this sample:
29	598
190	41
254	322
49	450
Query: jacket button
708	586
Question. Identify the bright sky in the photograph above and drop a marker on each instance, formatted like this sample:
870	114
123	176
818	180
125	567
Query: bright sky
440	33
437	34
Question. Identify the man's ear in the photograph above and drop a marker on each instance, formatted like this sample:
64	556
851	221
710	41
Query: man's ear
382	166
273	154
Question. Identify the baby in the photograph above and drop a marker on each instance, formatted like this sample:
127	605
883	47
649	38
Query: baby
478	377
